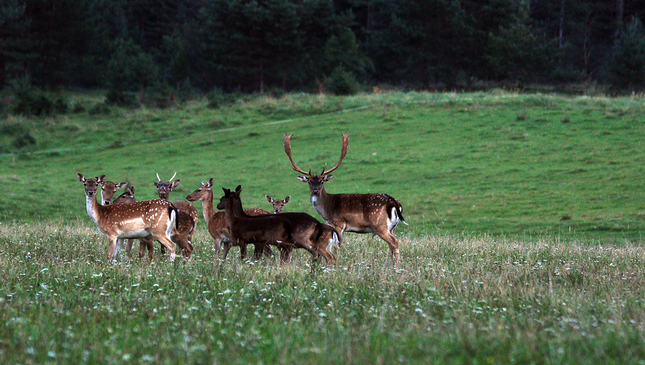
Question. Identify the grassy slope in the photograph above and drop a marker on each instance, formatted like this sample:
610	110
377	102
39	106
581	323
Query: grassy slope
487	164
473	163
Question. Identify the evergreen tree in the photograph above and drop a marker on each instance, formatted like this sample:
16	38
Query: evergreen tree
626	69
12	26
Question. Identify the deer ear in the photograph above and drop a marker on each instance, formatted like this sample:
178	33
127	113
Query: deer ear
303	178
269	199
100	179
175	183
327	178
157	183
80	177
238	189
121	185
286	200
210	182
132	189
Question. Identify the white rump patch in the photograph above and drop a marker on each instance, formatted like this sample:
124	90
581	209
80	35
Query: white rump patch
391	223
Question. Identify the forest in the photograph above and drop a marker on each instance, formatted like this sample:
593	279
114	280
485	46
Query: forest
335	46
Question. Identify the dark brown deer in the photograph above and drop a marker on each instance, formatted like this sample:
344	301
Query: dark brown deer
187	217
307	232
318	238
360	213
144	243
262	230
136	220
216	222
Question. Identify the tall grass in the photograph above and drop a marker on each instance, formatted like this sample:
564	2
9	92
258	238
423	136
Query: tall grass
455	299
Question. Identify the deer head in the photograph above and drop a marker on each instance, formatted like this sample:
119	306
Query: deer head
315	181
278	204
108	190
165	187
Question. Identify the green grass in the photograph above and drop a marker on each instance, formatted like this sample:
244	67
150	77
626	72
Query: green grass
524	246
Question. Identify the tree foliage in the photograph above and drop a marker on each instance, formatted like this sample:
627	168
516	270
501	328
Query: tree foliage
255	45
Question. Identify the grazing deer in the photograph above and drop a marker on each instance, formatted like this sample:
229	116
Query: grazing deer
359	213
321	235
216	222
187	217
278	204
144	243
135	220
260	230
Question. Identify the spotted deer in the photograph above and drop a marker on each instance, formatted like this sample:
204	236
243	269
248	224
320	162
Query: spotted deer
187	217
144	243
359	213
262	230
136	220
216	222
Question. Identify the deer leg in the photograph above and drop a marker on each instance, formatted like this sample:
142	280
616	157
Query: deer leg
218	244
128	247
258	251
227	247
149	244
167	242
393	243
111	249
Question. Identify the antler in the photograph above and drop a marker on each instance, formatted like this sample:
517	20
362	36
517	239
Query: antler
343	153
173	176
287	150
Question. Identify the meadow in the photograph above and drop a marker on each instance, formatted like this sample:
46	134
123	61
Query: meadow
524	245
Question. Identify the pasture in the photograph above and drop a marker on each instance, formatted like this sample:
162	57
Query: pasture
524	245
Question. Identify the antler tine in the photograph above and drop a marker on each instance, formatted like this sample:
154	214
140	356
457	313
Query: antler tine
173	176
158	176
343	153
287	150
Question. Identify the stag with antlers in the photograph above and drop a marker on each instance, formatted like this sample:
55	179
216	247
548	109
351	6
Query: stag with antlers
216	222
136	220
360	213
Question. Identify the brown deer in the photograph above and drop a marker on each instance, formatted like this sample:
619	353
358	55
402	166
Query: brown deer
144	243
216	222
278	204
359	213
135	220
307	232
261	230
322	239
108	189
187	217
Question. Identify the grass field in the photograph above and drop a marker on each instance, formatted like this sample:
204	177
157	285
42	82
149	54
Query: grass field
524	245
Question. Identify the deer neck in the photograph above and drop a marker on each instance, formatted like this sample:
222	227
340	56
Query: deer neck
207	206
320	203
93	208
238	211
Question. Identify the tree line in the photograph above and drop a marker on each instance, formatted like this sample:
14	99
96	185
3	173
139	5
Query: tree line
333	45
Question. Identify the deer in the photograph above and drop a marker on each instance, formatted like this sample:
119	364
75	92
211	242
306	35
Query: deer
359	213
144	243
216	222
322	240
262	230
136	220
307	232
108	189
187	217
278	204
